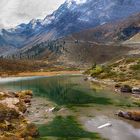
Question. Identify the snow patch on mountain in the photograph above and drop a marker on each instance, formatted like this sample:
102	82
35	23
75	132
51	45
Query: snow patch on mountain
48	20
76	1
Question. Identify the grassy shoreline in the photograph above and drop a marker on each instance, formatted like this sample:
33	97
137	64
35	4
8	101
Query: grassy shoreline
122	71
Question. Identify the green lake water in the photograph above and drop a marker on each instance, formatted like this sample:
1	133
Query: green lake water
85	107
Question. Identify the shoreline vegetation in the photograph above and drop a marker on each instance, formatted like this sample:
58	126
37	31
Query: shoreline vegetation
125	71
49	73
122	76
17	68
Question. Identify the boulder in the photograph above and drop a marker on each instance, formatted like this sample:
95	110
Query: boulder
25	93
11	94
7	113
136	90
13	124
30	130
126	88
27	100
25	96
21	106
86	78
131	115
3	95
117	86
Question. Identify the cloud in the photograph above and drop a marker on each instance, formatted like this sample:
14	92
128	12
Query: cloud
14	12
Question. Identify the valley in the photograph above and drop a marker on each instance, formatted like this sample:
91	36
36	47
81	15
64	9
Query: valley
95	45
76	73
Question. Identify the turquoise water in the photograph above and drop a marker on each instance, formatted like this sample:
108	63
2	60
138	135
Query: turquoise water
84	102
64	90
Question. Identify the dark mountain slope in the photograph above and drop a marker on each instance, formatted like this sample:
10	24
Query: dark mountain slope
112	32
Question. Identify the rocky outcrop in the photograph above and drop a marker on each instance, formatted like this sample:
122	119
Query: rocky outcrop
13	124
131	115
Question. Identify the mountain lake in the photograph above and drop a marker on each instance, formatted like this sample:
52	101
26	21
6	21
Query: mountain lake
66	107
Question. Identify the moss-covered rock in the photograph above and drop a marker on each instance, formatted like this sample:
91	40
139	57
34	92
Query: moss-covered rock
13	124
7	113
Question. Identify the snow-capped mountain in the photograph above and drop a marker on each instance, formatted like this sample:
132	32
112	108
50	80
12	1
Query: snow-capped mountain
72	16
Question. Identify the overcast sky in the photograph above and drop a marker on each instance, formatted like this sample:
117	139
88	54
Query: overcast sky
14	12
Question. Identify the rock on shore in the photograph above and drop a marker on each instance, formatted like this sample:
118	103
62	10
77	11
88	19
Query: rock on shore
131	115
13	124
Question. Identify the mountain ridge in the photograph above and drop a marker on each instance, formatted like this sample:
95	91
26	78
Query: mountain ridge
114	32
82	15
86	47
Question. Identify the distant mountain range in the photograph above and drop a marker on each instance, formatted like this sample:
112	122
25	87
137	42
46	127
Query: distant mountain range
98	44
78	32
72	16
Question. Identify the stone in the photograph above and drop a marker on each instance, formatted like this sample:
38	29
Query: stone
136	90
86	78
25	96
7	113
21	106
117	86
24	93
2	93
126	88
13	123
27	100
10	102
32	130
131	115
11	94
